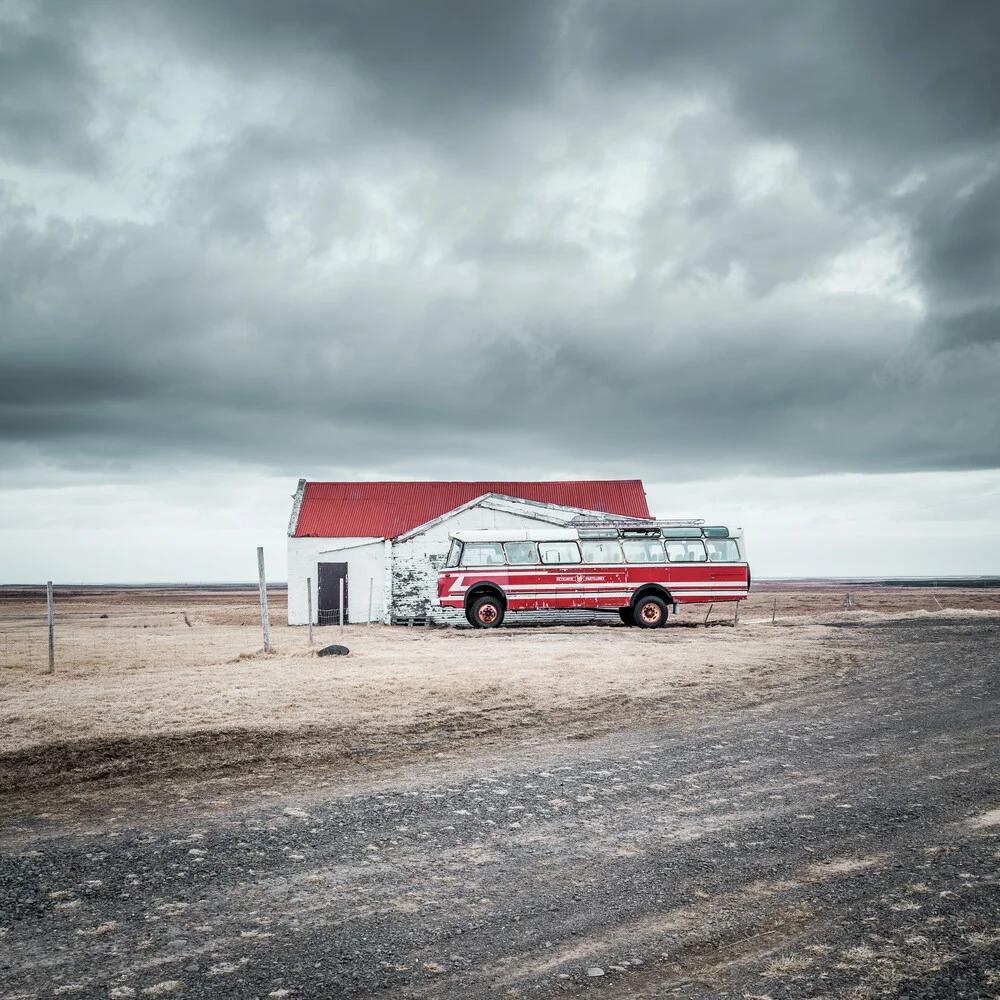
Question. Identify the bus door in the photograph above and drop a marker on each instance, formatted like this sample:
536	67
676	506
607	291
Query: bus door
690	573
604	573
727	572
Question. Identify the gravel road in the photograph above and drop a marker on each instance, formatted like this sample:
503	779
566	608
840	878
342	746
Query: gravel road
840	842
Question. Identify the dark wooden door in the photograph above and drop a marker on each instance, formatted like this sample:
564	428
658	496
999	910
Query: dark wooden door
329	577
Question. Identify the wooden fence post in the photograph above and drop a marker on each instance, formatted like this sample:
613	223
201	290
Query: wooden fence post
774	610
709	612
52	644
309	602
265	624
371	587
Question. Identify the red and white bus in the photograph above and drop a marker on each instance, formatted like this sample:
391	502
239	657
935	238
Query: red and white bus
640	571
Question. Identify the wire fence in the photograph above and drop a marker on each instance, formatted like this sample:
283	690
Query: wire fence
154	631
131	630
81	644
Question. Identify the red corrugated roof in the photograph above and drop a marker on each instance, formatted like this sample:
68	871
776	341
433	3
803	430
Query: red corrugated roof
384	510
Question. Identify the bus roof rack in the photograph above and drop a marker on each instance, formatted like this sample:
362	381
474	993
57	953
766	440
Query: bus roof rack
635	523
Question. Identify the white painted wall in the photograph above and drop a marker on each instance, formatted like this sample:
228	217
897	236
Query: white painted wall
365	558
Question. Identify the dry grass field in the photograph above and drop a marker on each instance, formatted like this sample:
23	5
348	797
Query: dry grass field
152	682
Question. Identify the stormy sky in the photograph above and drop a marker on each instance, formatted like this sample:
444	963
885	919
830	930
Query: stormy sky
747	252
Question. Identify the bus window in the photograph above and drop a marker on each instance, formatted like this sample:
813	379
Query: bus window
723	550
482	554
521	553
691	551
559	552
643	550
602	551
454	553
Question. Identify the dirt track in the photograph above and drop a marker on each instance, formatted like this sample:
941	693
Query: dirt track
838	838
149	689
170	682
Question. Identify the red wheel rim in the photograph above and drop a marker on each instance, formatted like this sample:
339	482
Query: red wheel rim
487	614
651	613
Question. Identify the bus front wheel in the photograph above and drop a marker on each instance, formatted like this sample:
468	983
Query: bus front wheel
650	612
487	612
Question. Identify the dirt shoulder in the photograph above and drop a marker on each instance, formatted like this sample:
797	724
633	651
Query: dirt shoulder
163	686
399	692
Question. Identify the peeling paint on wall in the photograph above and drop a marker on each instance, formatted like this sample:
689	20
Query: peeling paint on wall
414	579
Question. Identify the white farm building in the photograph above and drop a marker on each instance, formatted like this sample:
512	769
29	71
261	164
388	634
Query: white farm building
382	543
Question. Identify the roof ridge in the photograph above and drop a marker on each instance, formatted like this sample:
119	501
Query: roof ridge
381	508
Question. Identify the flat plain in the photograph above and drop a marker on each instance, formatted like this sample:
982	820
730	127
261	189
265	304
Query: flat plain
152	682
807	807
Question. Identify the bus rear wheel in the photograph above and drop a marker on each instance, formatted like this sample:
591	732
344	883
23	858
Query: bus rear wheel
650	612
487	612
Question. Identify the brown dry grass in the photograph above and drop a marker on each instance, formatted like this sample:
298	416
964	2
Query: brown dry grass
172	678
176	679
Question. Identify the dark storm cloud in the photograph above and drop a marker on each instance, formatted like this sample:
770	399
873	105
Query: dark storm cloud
527	234
46	98
841	74
957	254
433	59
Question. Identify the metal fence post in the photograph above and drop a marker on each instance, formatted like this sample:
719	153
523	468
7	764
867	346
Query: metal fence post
341	605
265	624
52	645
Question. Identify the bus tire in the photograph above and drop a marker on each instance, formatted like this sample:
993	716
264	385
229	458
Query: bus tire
626	616
650	612
487	612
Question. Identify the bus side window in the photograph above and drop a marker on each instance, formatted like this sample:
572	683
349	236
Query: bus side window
643	550
559	552
723	550
689	551
482	554
521	553
605	550
454	553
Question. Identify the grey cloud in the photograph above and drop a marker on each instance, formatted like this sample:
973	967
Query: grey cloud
875	92
47	95
441	68
438	58
476	231
898	78
956	231
173	363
